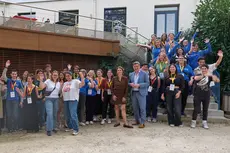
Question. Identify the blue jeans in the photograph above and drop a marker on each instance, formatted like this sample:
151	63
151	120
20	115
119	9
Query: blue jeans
71	114
139	107
41	112
12	108
51	105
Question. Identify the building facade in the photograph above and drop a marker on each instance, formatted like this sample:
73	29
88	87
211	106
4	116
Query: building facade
145	16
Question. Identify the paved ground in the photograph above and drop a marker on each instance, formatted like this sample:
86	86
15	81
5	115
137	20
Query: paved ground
157	138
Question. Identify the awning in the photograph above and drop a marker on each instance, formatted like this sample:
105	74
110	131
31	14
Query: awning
24	18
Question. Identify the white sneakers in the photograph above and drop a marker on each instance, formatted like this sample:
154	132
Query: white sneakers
82	124
204	124
154	120
109	121
91	122
103	121
87	122
75	133
94	118
149	119
193	124
171	125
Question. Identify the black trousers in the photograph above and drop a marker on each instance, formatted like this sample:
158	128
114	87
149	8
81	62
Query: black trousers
152	103
90	107
161	90
203	98
105	104
173	107
81	107
184	96
98	105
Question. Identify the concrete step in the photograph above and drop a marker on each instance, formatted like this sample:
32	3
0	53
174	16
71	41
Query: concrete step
189	111
211	106
190	99
211	119
211	112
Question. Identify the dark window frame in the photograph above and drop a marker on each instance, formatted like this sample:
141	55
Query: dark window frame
115	8
69	11
176	12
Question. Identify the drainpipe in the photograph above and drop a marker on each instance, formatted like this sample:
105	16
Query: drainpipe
95	24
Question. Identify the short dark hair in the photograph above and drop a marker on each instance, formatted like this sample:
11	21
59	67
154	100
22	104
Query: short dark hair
14	70
48	65
201	58
136	62
205	65
38	70
144	64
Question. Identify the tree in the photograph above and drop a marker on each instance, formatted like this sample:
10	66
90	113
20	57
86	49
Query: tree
212	18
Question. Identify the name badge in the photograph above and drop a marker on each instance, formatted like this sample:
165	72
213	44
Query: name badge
182	74
172	87
150	89
99	91
90	91
109	92
12	94
29	100
161	75
212	83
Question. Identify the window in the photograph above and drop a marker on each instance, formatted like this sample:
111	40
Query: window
68	19
166	19
28	14
114	14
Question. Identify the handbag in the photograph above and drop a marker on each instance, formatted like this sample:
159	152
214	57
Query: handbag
48	93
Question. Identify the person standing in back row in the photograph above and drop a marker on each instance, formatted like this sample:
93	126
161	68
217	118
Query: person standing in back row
139	82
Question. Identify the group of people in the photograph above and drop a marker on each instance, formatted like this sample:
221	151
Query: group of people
76	97
177	69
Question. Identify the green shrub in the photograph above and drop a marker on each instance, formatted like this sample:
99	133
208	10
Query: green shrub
212	18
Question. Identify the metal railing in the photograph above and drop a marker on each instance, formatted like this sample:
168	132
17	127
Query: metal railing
63	22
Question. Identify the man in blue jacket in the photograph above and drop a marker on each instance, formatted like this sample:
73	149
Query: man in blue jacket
139	82
194	54
13	98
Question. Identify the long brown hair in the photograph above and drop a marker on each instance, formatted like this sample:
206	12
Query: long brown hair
54	71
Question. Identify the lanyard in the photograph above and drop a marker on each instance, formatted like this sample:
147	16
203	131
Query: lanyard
30	89
181	68
173	77
161	66
99	81
109	83
75	75
153	80
13	85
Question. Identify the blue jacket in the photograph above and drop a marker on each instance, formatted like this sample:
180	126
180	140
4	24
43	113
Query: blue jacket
173	51
188	47
11	87
143	80
194	56
83	89
155	53
94	91
187	72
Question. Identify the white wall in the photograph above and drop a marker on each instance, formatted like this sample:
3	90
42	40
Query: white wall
139	13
